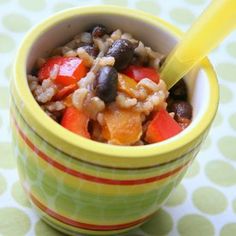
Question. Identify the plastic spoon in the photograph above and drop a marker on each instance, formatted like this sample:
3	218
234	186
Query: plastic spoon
213	25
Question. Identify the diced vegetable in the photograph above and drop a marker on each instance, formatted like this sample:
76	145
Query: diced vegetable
76	121
68	70
123	127
139	72
184	122
68	101
162	127
45	70
182	109
126	84
65	91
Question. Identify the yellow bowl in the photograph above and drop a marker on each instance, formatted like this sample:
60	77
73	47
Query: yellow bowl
79	185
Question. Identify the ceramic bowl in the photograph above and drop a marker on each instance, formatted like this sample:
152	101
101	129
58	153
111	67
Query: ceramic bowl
81	186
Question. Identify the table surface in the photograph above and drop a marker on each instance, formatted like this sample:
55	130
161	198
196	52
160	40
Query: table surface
204	204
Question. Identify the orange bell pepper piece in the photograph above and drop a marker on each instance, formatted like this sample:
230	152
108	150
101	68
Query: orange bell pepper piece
122	127
126	85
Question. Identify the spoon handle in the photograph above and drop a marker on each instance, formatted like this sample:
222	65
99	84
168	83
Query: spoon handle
213	25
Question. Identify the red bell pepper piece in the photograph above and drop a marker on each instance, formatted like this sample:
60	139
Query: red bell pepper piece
65	91
162	127
76	121
45	70
70	70
139	72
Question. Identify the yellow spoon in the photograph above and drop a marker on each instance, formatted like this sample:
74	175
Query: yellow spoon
214	24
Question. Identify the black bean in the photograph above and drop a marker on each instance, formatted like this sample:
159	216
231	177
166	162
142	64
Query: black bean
123	51
184	122
179	91
136	60
107	81
98	31
182	109
92	51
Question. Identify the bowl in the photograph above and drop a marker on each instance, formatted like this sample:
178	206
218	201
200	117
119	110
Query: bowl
81	186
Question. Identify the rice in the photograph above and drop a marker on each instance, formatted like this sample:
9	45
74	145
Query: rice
87	59
148	84
86	38
33	85
45	92
124	101
71	53
100	118
106	61
31	78
126	36
116	35
53	72
101	45
33	82
94	106
55	106
88	81
78	97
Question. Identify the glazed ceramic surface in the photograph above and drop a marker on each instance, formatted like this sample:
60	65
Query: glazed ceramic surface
79	185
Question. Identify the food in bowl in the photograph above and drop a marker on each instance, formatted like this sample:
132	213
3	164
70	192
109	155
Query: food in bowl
105	86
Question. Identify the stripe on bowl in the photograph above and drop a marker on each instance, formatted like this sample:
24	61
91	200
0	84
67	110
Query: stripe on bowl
38	165
83	225
95	179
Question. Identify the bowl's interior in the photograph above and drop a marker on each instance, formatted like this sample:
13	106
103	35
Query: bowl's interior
158	38
64	31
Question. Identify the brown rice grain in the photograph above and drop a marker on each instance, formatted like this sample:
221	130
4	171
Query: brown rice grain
141	51
31	78
86	38
116	35
55	106
46	95
107	61
124	101
153	54
148	84
78	97
70	53
126	36
33	85
87	59
100	118
65	49
101	45
87	82
162	87
54	72
94	106
140	94
73	44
